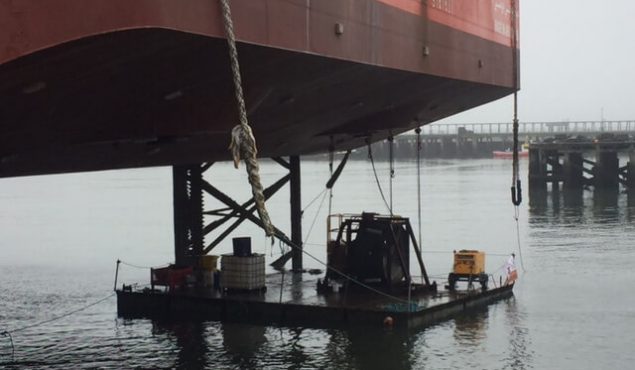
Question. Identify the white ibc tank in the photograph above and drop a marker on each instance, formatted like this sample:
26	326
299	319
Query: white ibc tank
244	273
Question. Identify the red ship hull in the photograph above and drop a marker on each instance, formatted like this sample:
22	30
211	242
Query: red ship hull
509	155
116	84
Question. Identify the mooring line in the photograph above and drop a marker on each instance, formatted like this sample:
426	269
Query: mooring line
381	192
8	333
143	267
314	199
520	251
317	213
391	159
58	317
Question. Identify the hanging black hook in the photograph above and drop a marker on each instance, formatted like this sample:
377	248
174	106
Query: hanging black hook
517	194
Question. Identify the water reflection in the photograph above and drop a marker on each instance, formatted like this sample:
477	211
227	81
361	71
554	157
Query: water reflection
337	349
630	202
573	198
469	330
519	354
539	201
630	194
189	340
574	206
241	342
210	345
605	204
376	348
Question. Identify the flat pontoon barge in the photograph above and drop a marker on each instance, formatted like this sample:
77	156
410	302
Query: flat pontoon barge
300	304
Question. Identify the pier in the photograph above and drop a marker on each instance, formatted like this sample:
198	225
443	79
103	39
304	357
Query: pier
568	162
479	140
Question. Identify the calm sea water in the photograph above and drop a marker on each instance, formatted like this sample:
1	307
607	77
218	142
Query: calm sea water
573	308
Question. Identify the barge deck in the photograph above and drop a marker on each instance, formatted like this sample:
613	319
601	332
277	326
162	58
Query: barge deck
292	299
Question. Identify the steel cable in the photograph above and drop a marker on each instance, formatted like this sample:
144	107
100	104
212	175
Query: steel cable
315	199
418	132
520	251
381	192
8	333
317	213
143	267
58	317
391	160
516	183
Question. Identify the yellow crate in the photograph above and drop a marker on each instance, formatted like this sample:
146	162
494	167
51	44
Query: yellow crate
469	262
209	262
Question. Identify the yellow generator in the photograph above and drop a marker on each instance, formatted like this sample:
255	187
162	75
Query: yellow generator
469	265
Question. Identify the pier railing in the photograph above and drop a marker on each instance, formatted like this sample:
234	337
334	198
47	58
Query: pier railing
531	128
480	140
469	140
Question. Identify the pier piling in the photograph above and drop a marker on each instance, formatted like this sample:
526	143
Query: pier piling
630	170
606	168
537	169
573	170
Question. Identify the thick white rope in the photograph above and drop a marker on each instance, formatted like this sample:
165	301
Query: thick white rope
243	143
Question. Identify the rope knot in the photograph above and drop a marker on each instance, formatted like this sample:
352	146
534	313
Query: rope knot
243	144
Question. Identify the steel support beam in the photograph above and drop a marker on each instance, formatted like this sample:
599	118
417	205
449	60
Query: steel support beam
268	192
188	214
296	212
213	191
282	162
415	245
241	216
189	230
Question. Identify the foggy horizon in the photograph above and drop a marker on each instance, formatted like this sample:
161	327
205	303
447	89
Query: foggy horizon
575	61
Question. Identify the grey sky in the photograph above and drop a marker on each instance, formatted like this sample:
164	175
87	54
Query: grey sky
577	57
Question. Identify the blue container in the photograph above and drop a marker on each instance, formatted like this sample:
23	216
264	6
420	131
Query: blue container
242	246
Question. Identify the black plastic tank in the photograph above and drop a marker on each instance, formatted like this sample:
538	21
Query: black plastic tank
242	246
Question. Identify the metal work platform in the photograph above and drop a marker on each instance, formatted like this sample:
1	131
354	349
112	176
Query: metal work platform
367	279
292	299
